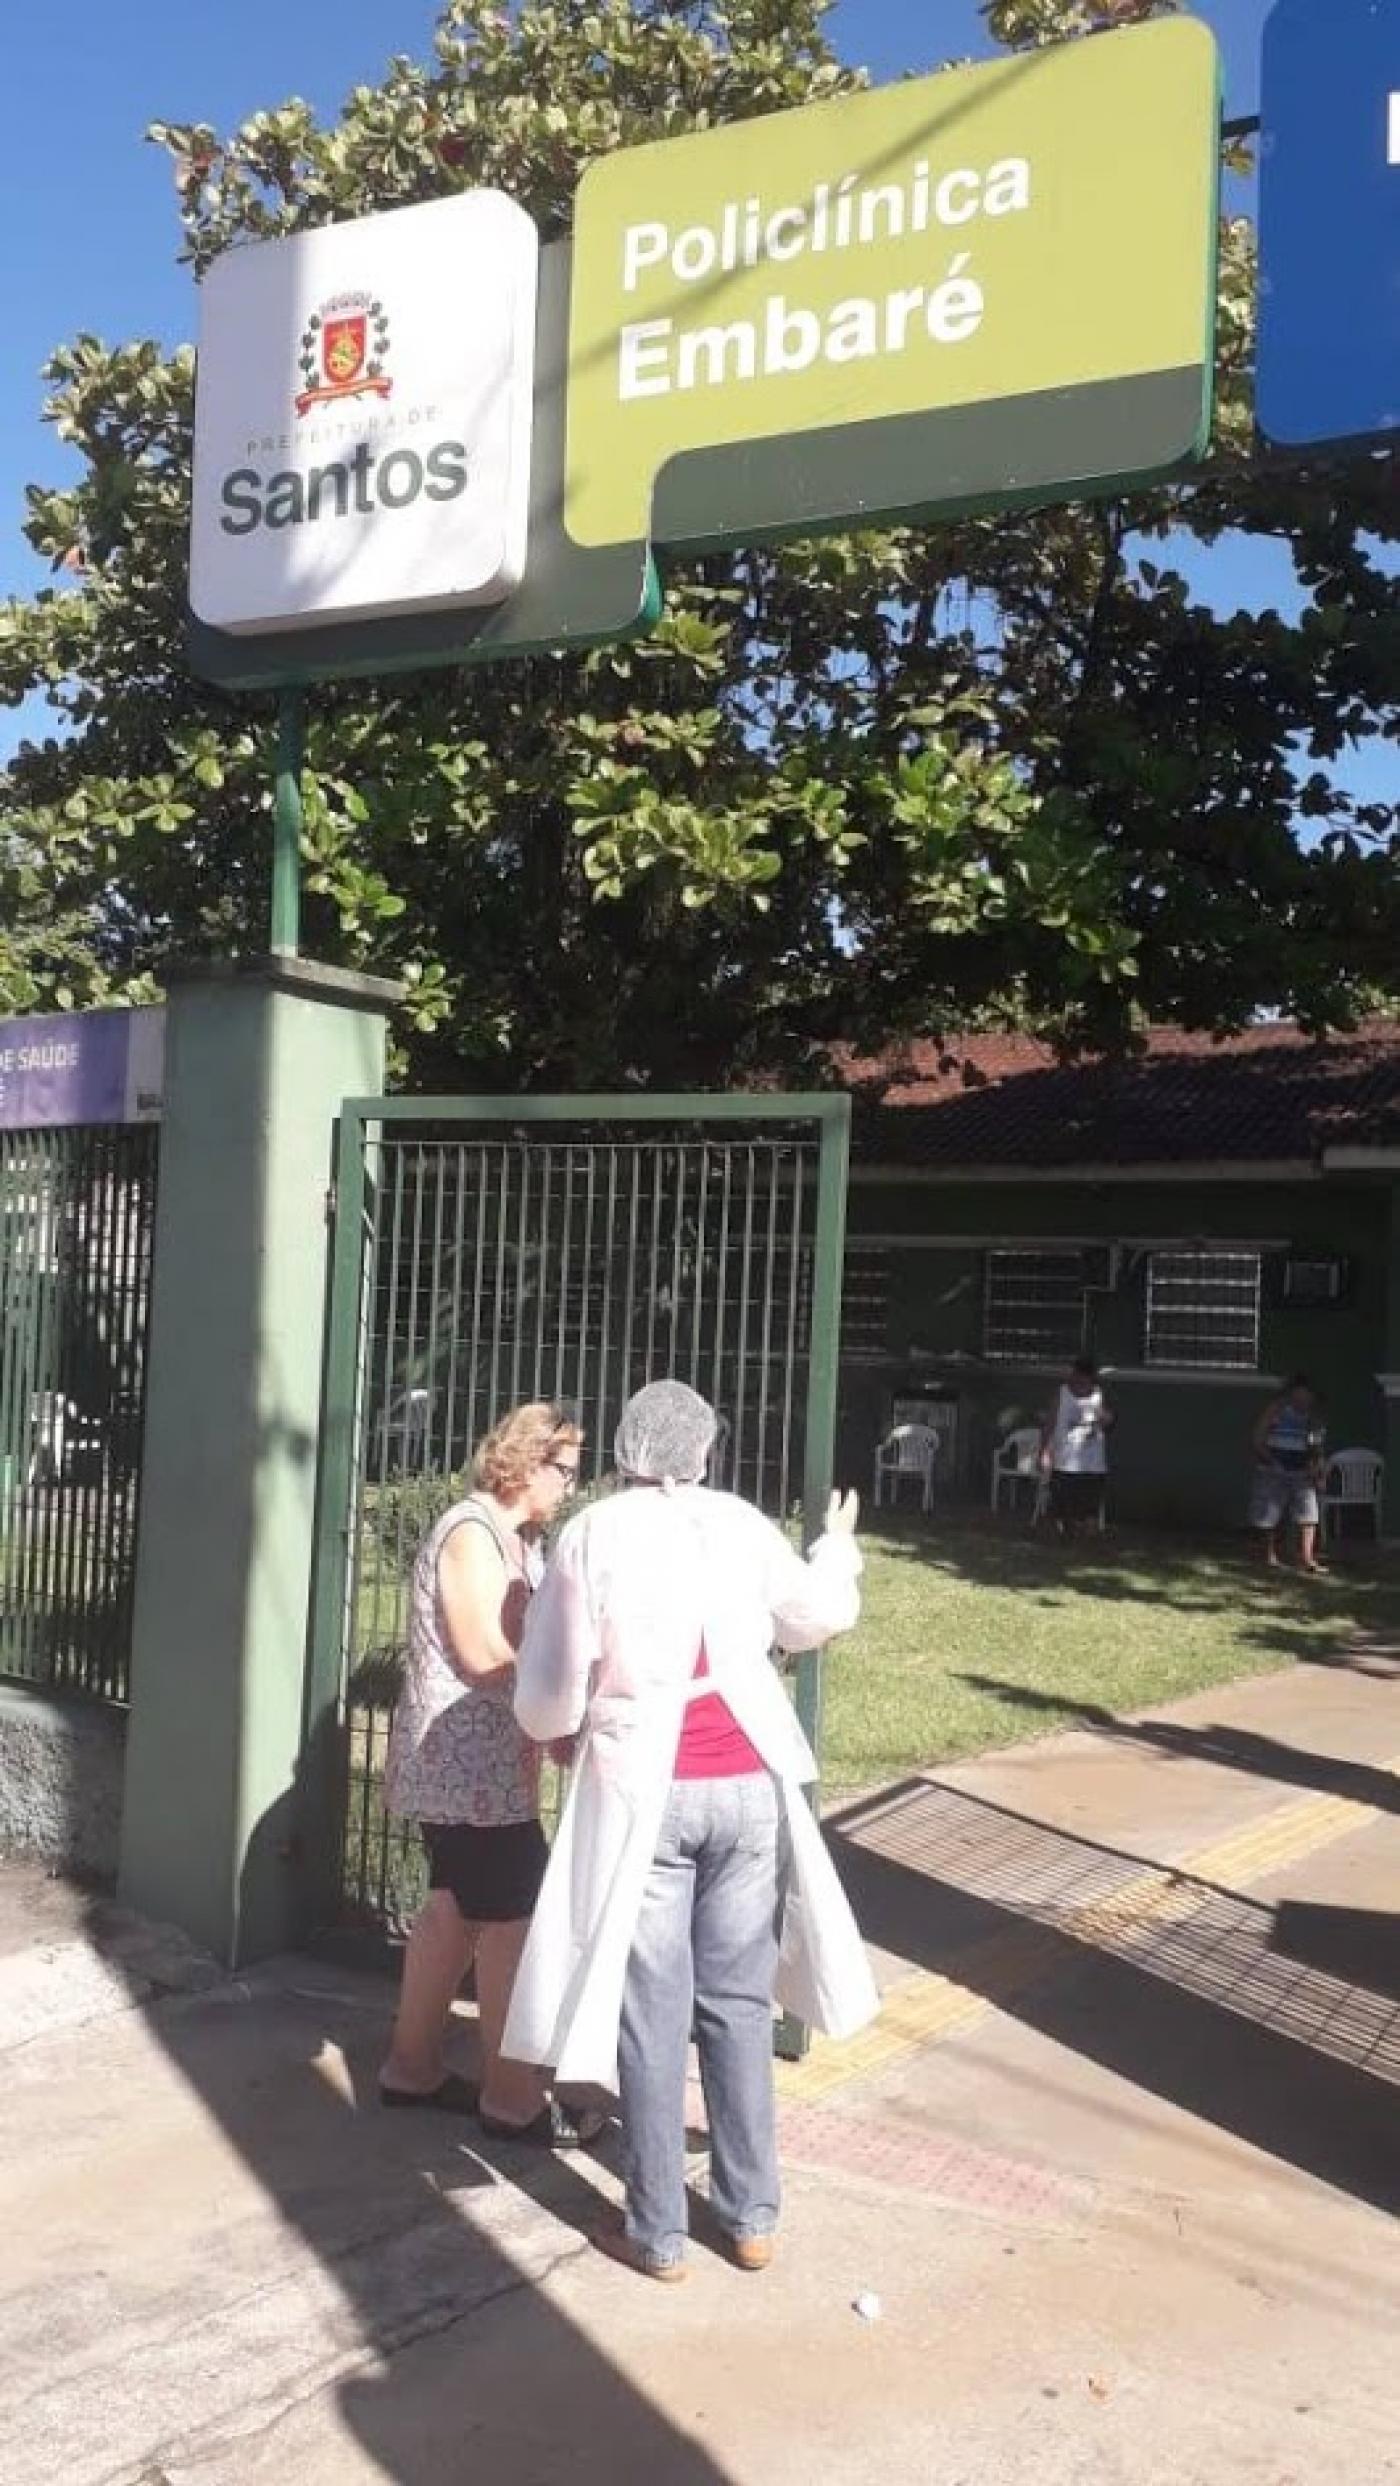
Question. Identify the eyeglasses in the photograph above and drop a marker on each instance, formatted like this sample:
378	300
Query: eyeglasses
562	1468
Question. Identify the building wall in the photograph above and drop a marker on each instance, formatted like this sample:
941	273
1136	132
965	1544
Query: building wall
916	1269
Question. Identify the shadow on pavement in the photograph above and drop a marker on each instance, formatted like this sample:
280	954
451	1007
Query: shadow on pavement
1169	1981
439	2349
1232	1747
1362	1944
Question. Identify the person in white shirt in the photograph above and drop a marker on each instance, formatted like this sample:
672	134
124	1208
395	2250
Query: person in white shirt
688	1884
1073	1449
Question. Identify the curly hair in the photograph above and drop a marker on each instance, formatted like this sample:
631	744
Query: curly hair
507	1457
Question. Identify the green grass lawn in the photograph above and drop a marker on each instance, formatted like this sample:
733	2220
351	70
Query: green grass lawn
978	1633
975	1633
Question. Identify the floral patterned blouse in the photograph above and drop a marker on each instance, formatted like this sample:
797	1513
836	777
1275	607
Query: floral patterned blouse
455	1751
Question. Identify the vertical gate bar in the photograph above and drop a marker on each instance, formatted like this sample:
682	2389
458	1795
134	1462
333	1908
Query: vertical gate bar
63	1541
89	1331
433	1296
368	1774
627	1381
142	1231
823	1373
542	1267
393	1150
381	1825
56	1315
741	1342
602	1424
456	1311
14	1431
21	1315
118	1396
822	1379
434	1284
561	1299
502	1199
336	1527
100	1642
30	1636
485	1163
9	1440
717	1388
422	1158
49	1328
97	1653
654	1258
449	1417
794	1283
82	1608
765	1332
677	1253
697	1315
32	1381
590	1214
522	1247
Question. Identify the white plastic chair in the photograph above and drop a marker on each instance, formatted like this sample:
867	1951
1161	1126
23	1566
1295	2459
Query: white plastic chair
1353	1480
1016	1461
910	1450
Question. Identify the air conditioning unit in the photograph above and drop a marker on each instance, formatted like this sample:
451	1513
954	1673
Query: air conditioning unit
1103	1263
1315	1281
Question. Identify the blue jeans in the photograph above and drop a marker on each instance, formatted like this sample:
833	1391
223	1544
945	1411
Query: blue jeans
704	1953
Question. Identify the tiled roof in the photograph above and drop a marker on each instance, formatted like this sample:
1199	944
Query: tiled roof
1270	1094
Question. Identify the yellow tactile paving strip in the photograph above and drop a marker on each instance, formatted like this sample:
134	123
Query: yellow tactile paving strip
920	2009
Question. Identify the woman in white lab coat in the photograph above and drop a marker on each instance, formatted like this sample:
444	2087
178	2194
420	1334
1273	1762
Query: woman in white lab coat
688	1884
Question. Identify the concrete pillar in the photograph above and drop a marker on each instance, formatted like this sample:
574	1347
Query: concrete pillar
261	1053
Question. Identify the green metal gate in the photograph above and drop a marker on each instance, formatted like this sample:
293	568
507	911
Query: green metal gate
76	1214
489	1251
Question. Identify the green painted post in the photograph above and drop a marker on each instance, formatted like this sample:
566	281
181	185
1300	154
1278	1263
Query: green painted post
287	824
336	1516
261	1055
824	1367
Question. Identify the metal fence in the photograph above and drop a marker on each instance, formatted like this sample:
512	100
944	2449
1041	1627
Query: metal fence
569	1253
76	1215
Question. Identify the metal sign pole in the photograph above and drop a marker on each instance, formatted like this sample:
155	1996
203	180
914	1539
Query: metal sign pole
286	824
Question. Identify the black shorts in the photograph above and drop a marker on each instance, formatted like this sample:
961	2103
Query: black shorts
1075	1497
494	1875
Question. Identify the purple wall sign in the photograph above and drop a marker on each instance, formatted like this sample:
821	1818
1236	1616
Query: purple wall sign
85	1066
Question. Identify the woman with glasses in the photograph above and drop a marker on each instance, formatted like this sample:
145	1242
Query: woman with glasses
461	1767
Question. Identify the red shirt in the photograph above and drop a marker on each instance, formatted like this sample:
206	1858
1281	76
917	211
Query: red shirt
713	1744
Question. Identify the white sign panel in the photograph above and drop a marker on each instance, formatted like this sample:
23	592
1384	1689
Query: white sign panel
363	417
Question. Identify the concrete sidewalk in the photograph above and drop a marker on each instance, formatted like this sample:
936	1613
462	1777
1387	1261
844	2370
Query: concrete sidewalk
1119	2162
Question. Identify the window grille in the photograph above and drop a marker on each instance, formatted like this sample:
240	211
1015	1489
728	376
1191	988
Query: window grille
1203	1310
865	1301
1034	1307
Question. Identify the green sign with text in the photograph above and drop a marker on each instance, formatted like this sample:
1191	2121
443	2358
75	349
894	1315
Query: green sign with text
989	284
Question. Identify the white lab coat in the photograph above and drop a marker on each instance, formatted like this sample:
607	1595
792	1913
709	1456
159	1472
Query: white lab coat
610	1645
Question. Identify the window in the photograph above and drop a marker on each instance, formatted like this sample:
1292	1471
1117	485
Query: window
1033	1311
1203	1310
865	1301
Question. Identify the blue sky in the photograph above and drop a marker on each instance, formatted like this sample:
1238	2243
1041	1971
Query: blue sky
90	211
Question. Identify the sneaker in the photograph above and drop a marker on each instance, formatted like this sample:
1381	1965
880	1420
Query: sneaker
614	2240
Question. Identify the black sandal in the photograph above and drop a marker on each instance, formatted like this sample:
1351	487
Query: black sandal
555	2127
452	2096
